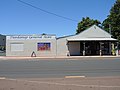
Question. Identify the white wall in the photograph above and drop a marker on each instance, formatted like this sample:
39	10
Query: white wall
62	48
74	48
30	46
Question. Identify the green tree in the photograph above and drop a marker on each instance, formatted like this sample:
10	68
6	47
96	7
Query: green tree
86	23
113	21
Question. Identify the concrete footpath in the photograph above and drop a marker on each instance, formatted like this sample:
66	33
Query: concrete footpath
74	83
56	58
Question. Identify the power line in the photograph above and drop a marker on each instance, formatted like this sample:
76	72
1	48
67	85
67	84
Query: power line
28	4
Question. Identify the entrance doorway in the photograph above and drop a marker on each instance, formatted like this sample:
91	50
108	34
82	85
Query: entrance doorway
94	47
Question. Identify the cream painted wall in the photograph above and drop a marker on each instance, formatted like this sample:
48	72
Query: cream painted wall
30	46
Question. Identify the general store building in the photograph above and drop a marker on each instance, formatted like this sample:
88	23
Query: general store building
93	41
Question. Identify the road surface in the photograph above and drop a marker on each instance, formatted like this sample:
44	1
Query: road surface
38	68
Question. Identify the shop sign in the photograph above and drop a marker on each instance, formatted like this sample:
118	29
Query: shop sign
30	37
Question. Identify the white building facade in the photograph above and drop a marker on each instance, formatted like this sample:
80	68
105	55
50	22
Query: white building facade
93	41
31	45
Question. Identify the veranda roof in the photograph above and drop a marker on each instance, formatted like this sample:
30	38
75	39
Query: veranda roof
92	39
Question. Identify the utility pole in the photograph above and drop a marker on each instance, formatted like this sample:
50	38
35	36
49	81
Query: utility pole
110	48
110	28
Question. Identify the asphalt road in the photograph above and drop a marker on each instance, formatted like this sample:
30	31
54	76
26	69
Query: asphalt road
35	68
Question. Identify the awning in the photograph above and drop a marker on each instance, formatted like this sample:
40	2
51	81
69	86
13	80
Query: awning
92	39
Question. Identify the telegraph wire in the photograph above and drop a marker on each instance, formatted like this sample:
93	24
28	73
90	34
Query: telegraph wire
28	4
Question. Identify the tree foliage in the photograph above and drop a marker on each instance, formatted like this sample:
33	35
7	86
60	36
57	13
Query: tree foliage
86	23
113	21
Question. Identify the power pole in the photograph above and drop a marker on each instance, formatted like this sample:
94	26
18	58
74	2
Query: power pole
110	47
110	28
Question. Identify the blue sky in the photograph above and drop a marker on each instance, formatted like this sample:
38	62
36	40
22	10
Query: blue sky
18	18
